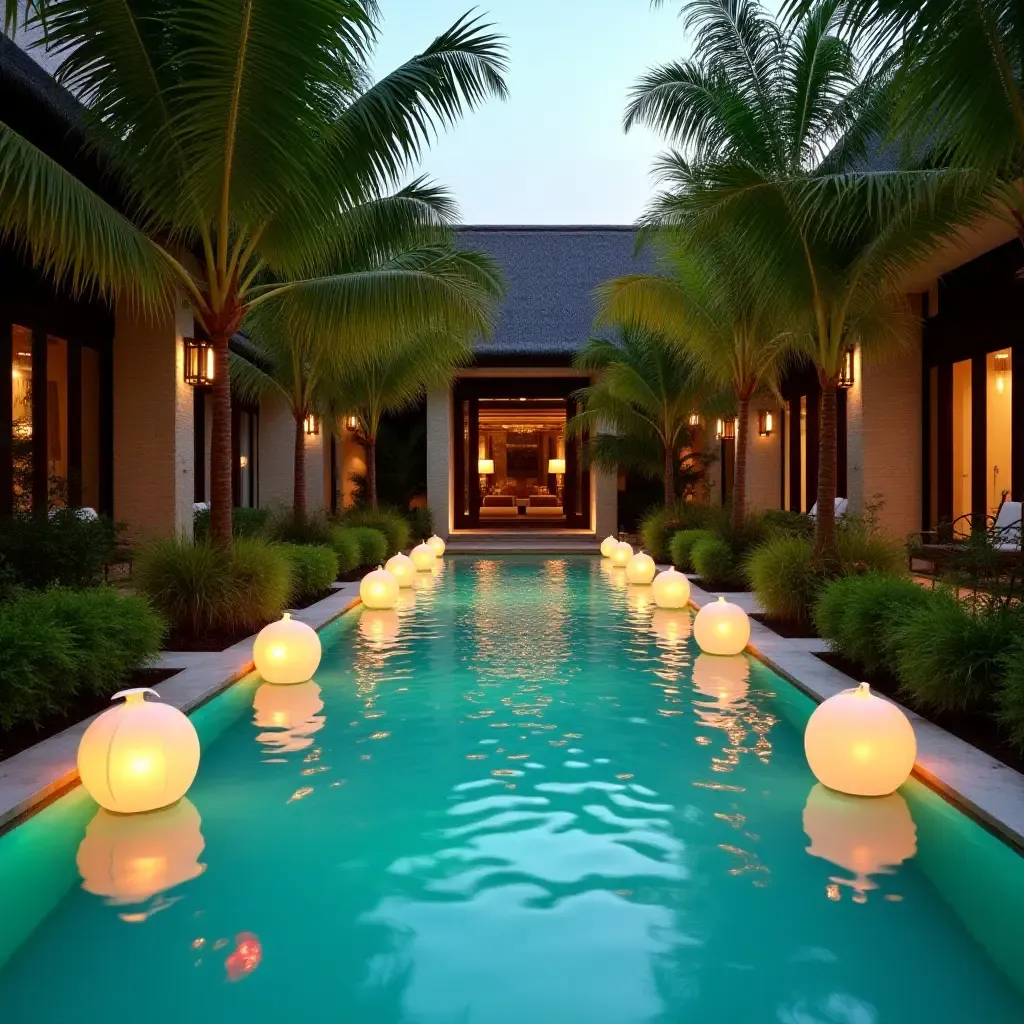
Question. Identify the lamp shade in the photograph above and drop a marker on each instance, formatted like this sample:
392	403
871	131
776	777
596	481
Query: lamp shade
608	546
437	545
485	467
287	652
402	568
423	557
379	589
640	569
139	755
556	466
860	744
721	627
671	589
622	554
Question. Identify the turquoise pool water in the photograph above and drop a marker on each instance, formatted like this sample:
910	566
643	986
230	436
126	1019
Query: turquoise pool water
523	798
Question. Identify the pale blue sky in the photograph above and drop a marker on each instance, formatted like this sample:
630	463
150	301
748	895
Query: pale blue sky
554	152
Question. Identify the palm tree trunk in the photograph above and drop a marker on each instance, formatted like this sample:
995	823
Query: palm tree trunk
371	470
739	477
299	480
825	550
670	476
220	446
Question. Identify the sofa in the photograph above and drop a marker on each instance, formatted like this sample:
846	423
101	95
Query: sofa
544	506
499	506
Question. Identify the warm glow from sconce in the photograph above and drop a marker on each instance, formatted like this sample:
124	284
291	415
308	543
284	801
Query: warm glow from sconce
694	420
485	467
671	589
765	423
640	569
622	554
722	628
436	544
243	461
860	744
608	546
846	374
402	568
556	466
287	652
423	557
351	422
379	589
311	424
138	756
199	362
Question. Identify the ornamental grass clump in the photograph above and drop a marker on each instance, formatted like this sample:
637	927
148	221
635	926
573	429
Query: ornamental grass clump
345	543
314	568
373	545
397	530
681	547
1010	696
712	559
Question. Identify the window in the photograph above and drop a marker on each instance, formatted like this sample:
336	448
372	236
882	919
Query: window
998	433
961	438
21	417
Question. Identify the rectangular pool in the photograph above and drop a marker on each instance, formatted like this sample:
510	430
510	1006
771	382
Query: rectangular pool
522	797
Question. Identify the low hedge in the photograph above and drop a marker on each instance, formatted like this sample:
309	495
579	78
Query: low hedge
286	527
713	561
390	522
313	567
345	543
373	545
61	549
60	642
681	548
245	522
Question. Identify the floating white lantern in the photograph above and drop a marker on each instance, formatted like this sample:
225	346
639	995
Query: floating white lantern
379	589
287	651
859	744
727	680
671	589
138	756
864	837
290	713
436	545
423	557
131	859
640	569
621	554
721	627
671	625
402	568
608	546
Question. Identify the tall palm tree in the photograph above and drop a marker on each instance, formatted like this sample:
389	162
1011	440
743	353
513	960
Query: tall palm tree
637	411
239	133
705	301
391	380
774	126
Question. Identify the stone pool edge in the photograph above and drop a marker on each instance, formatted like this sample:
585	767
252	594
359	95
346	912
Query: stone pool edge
967	777
38	774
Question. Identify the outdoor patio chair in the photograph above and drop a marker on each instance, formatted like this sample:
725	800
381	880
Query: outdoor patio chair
841	504
952	541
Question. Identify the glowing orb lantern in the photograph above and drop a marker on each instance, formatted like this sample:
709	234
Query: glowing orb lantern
402	568
379	589
423	557
286	652
129	860
859	744
671	589
640	569
436	545
863	837
621	555
721	627
608	546
138	756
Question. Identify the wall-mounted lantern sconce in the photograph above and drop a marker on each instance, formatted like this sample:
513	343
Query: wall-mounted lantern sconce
765	423
694	420
351	422
846	370
1001	365
243	461
198	362
726	430
312	424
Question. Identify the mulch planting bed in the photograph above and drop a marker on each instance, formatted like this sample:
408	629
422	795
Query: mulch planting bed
787	627
977	728
13	741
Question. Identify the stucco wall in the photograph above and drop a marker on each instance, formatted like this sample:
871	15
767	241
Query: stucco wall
277	458
764	459
439	459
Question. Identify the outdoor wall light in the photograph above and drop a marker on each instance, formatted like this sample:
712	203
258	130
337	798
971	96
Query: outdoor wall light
436	545
846	378
402	568
138	756
199	364
1001	365
312	424
694	420
671	589
608	546
765	423
243	461
640	569
423	557
287	652
859	744
721	627
379	590
351	422
726	430
622	554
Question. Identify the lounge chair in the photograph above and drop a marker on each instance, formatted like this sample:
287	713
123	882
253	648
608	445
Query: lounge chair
841	504
952	541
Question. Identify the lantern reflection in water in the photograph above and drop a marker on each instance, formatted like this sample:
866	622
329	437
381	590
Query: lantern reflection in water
639	599
862	835
292	712
245	957
379	628
725	679
671	626
129	859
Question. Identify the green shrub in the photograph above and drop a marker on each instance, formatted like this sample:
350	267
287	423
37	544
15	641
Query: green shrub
682	547
1010	697
713	561
373	545
421	524
262	575
857	615
656	531
952	658
783	575
388	521
864	551
790	524
288	528
314	568
61	549
345	543
245	522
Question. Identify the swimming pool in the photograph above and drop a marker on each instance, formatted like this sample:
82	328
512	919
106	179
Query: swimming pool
522	797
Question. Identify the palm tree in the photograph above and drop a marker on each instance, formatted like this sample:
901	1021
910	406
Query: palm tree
704	301
775	125
638	410
240	133
391	380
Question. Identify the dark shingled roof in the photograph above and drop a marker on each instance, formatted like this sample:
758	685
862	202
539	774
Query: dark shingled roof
550	277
